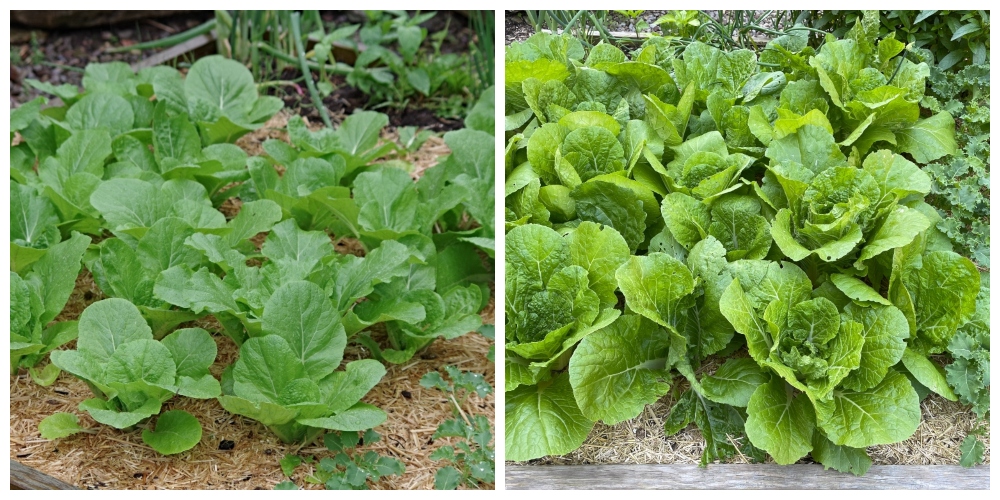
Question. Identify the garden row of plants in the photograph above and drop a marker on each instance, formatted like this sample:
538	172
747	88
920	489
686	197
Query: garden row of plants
126	179
765	211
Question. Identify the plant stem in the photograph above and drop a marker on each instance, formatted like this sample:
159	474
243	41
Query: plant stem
317	101
338	69
169	41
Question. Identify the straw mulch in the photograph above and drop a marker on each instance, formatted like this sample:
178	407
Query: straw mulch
238	453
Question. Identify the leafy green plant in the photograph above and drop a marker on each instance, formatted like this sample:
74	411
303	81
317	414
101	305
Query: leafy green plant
286	377
36	299
131	374
682	23
651	213
972	449
346	470
467	465
955	38
410	69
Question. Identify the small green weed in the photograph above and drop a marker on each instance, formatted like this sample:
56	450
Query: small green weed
471	461
346	470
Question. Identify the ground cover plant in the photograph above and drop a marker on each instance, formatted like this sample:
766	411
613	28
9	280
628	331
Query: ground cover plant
766	210
136	180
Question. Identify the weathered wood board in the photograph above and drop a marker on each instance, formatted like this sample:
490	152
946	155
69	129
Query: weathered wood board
23	477
743	477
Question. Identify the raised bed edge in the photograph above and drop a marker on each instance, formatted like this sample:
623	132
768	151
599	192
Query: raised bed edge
744	477
23	477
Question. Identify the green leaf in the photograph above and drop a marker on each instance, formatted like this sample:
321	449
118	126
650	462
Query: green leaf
884	331
254	217
840	458
887	413
344	388
175	431
687	218
59	425
101	110
387	200
289	463
263	411
143	360
129	203
595	151
109	324
616	371
544	420
972	450
163	246
419	79
45	376
356	418
198	291
192	350
738	225
944	293
121	274
302	314
857	290
224	84
107	414
447	478
900	227
267	365
57	271
929	138
356	277
84	151
174	137
779	422
359	134
734	382
601	251
33	219
655	286
928	374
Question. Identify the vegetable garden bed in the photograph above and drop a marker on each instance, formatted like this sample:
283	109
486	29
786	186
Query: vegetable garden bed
742	236
171	229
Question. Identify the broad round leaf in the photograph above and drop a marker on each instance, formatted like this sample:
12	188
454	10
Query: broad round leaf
176	431
59	425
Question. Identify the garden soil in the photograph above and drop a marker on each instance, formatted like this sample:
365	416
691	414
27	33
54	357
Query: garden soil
238	453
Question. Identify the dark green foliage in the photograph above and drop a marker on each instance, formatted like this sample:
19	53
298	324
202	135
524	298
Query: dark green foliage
961	183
